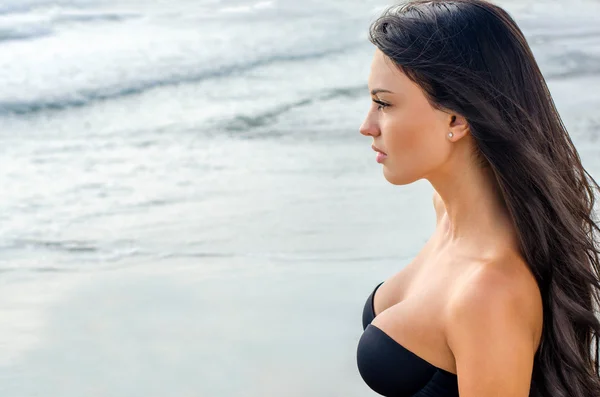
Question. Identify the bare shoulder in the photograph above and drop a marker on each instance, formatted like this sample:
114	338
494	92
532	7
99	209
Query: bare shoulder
496	292
492	328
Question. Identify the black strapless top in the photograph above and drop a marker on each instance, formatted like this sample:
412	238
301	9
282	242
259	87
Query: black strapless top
392	370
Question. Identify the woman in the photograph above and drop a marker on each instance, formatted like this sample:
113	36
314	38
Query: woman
501	300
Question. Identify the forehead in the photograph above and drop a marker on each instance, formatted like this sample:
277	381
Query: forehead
385	74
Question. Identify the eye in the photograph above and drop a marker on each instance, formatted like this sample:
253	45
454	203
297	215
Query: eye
381	105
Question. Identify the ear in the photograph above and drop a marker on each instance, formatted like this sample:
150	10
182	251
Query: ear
458	126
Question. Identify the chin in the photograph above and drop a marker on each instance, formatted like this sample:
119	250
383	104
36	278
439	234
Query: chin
397	178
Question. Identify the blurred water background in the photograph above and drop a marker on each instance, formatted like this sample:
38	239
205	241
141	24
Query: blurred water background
186	205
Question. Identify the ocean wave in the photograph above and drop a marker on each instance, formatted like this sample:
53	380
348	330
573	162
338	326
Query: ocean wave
541	38
248	8
88	96
345	92
26	32
573	64
203	255
45	27
242	123
65	246
8	7
95	17
14	8
93	252
38	269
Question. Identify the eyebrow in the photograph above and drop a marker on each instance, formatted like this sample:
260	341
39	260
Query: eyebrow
379	90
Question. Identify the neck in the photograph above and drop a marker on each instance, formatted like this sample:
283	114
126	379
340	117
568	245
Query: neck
475	210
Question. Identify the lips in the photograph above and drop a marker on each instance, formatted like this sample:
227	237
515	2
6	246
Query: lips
377	150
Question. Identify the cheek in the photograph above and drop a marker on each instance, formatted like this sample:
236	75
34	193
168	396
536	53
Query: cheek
414	133
414	153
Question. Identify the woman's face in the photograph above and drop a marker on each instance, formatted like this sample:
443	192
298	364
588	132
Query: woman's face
404	125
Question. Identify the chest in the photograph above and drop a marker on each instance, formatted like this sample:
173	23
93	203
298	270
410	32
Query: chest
410	307
402	350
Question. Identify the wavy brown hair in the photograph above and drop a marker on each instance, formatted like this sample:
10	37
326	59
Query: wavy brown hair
471	58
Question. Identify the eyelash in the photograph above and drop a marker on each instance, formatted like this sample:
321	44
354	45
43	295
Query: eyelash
382	105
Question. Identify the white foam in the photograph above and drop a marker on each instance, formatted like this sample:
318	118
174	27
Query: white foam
248	8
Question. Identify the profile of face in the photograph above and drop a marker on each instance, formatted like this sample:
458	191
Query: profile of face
404	125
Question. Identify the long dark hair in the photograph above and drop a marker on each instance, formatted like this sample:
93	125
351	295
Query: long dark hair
470	57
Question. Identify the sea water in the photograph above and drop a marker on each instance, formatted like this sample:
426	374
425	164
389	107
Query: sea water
187	207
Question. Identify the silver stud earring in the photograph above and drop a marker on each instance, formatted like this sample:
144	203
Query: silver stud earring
450	135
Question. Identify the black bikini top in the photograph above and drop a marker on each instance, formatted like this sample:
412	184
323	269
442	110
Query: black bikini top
392	370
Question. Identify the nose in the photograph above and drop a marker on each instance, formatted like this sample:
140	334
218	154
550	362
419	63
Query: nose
369	127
